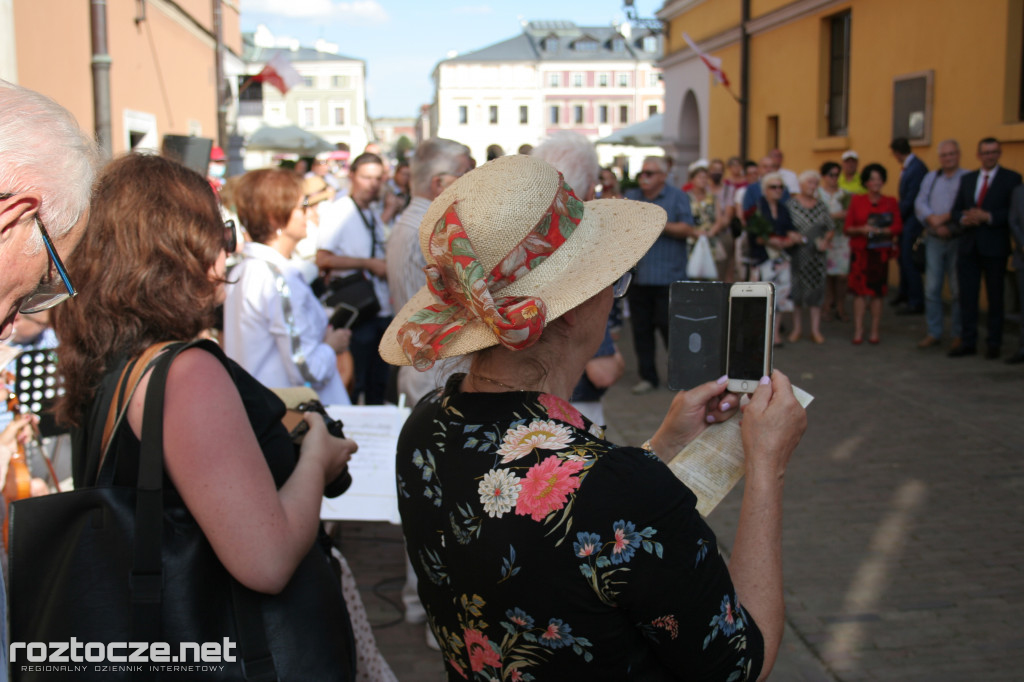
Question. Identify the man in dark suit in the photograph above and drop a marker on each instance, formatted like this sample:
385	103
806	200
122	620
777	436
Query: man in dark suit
913	171
982	210
1017	232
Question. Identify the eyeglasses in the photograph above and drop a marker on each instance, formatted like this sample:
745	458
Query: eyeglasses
774	187
621	285
305	203
648	173
835	174
50	291
230	237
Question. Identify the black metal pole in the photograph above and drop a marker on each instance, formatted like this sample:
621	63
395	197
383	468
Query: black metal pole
744	78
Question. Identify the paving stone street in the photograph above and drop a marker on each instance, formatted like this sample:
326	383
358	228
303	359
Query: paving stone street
903	515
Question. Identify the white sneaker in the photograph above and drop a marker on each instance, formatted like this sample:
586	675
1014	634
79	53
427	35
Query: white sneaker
643	387
432	641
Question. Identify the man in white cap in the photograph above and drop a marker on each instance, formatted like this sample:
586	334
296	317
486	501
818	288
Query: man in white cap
849	180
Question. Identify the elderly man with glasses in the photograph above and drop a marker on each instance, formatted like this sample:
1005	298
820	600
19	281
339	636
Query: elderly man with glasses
663	264
47	168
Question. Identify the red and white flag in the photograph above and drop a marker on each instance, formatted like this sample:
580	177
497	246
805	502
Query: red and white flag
714	64
280	73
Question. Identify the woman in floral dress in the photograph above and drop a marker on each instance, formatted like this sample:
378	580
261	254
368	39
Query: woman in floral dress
543	551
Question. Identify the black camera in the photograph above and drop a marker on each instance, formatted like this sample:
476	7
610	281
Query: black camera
334	427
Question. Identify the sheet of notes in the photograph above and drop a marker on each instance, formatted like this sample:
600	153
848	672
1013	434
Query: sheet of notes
373	496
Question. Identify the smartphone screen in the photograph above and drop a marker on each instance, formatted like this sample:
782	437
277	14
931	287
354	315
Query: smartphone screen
748	318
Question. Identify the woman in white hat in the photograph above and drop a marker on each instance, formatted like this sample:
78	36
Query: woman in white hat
544	551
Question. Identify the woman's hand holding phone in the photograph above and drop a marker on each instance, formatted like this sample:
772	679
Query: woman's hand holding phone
690	413
773	423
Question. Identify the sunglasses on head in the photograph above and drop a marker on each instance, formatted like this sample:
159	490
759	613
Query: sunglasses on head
230	236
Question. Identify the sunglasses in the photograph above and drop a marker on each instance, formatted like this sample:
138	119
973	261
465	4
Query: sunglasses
621	285
774	187
647	174
51	290
230	236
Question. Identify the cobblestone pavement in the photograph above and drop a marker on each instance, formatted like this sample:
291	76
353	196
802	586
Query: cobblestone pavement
903	516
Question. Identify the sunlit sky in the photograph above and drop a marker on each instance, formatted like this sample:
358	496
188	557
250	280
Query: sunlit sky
402	40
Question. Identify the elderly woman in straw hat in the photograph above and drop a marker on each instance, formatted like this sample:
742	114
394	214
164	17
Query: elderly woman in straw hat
544	551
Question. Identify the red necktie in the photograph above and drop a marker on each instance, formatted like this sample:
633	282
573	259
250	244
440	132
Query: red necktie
984	189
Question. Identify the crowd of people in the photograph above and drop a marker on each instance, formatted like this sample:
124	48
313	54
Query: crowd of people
491	301
827	234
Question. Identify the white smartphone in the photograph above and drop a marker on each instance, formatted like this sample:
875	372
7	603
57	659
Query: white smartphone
751	321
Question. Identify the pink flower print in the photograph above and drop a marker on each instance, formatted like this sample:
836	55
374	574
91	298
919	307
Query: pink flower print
480	652
539	435
561	410
516	676
546	487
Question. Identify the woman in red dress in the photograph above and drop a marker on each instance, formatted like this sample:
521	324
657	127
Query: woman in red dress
873	225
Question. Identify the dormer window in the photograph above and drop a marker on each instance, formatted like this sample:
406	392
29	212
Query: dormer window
550	44
618	44
585	45
650	44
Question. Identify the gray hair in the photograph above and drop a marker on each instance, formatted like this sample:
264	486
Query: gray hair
572	155
43	150
956	145
768	178
809	174
660	161
434	157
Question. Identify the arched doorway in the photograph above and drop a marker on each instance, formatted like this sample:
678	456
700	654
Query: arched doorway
689	134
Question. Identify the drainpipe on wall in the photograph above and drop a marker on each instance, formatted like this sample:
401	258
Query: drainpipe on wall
8	55
101	77
222	100
744	78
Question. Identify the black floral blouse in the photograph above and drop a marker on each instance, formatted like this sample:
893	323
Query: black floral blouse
547	553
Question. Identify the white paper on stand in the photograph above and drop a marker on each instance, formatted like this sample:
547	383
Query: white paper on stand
372	496
713	463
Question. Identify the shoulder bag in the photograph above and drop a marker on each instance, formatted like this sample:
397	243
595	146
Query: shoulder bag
108	565
352	297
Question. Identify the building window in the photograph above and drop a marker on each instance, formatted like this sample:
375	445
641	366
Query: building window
463	114
618	44
602	113
838	74
650	44
654	79
524	114
623	80
492	114
250	100
577	114
554	114
554	80
586	45
602	80
652	109
624	113
577	80
340	82
550	44
338	116
307	114
308	81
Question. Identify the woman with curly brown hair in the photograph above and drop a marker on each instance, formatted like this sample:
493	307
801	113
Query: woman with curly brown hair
150	269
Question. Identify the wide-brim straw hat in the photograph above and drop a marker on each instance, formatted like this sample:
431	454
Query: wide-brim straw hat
499	204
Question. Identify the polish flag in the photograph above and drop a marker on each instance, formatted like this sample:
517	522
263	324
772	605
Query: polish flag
280	73
714	64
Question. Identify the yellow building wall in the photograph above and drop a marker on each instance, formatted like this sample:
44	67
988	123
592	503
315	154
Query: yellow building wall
162	66
972	87
703	21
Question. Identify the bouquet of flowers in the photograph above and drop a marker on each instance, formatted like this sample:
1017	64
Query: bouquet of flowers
759	227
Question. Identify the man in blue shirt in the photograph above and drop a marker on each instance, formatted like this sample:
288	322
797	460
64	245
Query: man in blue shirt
663	264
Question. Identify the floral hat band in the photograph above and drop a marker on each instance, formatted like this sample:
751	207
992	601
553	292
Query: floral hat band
463	292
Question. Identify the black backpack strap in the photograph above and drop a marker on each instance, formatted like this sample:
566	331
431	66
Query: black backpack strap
147	562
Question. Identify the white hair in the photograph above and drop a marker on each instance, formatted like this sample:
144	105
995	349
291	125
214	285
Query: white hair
572	155
809	174
43	150
768	178
660	161
434	157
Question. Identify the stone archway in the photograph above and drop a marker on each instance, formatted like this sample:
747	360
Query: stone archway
689	134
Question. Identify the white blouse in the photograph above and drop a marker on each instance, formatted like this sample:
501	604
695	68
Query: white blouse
274	326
